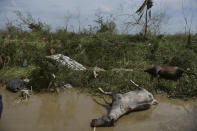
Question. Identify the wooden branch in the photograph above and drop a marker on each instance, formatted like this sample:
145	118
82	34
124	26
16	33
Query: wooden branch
136	84
106	93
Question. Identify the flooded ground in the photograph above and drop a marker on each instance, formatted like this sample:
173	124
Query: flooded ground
73	111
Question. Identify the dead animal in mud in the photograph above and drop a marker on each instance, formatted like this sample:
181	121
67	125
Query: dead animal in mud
167	72
16	85
1	105
124	103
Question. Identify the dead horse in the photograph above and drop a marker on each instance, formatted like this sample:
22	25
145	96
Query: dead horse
124	103
167	72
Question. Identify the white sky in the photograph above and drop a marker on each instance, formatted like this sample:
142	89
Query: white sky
53	11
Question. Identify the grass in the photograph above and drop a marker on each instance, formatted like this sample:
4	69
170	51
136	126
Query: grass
105	50
9	73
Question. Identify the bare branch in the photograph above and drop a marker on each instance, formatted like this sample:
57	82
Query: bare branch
134	83
106	93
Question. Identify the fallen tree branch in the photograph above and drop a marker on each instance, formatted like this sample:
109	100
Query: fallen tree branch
136	84
106	93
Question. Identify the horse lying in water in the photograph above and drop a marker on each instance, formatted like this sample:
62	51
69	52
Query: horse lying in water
167	72
124	103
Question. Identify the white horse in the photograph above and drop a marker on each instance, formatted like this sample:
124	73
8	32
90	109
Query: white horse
124	103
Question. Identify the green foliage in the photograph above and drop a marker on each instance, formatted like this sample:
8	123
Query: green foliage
9	73
185	58
18	51
42	75
105	50
105	26
27	21
189	40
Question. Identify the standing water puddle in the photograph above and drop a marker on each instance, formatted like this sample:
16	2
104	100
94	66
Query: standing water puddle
73	111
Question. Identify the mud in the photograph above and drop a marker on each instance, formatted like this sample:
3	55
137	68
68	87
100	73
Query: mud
73	111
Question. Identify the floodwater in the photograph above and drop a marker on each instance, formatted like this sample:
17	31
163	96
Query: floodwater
73	111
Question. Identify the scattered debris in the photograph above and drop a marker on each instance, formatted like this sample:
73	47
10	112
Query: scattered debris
53	75
17	85
25	93
96	70
26	80
51	82
95	74
25	63
121	69
67	86
65	60
52	51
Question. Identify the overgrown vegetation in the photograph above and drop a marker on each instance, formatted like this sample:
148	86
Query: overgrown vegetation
104	49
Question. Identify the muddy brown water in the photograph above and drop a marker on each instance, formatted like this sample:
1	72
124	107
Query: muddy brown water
73	111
